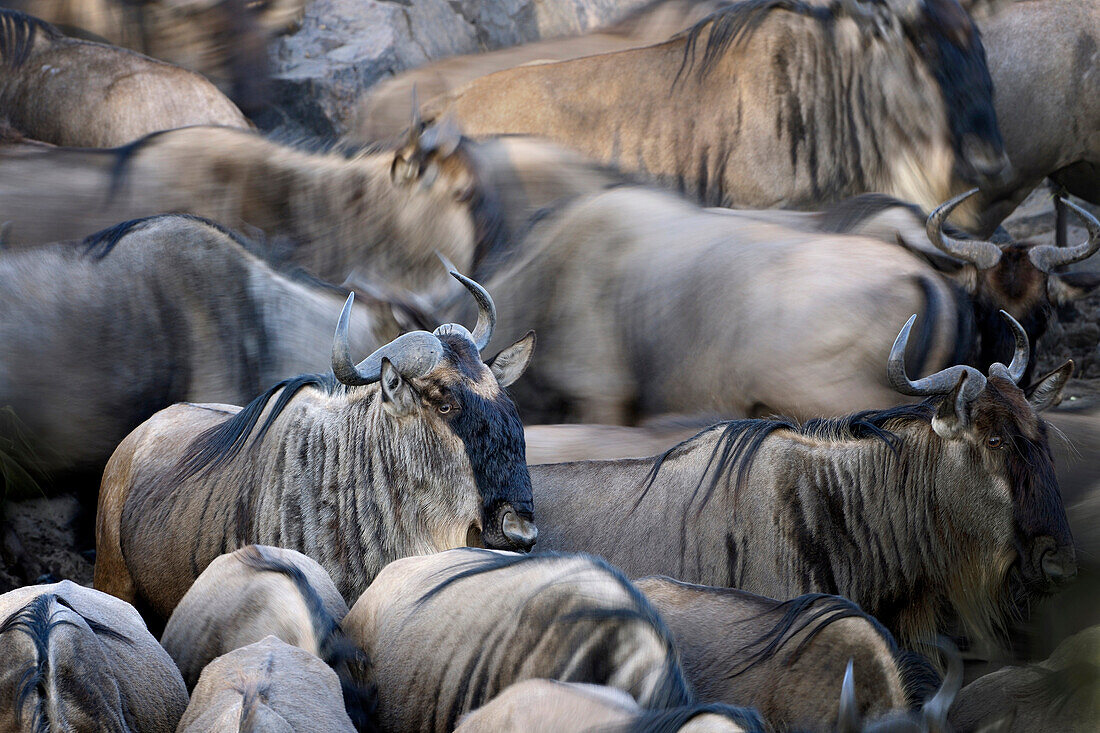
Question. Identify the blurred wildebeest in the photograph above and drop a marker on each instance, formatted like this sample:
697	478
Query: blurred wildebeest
646	304
415	449
786	659
771	103
383	111
550	706
143	315
1061	693
69	92
224	40
921	513
259	591
587	442
72	658
930	718
438	650
267	686
388	211
1025	279
1042	56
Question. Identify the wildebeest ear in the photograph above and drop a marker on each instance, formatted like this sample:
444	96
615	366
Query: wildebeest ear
953	415
1047	392
1070	286
510	364
398	397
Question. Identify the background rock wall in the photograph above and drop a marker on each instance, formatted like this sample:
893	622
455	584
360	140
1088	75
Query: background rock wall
344	46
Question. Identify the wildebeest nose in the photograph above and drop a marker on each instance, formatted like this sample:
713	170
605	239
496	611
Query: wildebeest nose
521	532
1059	567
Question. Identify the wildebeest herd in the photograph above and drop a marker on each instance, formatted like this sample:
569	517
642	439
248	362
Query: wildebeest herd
782	456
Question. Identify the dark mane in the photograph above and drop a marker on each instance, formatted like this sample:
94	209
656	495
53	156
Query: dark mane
846	215
17	36
674	690
735	24
670	720
35	619
224	441
740	441
336	649
102	243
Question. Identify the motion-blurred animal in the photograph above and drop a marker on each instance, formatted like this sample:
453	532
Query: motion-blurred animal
100	335
65	91
225	41
770	103
415	449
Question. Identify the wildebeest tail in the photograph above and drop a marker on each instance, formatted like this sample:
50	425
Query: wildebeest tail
938	311
35	619
919	677
670	720
345	658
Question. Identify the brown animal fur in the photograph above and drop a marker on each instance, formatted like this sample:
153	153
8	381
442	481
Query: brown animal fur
719	632
77	659
67	92
268	686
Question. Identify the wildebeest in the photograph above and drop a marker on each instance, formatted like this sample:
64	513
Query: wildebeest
267	686
438	650
572	442
72	658
550	706
415	449
1061	693
386	211
259	591
786	659
946	508
225	41
69	92
383	111
646	304
1023	279
99	336
770	103
1042	57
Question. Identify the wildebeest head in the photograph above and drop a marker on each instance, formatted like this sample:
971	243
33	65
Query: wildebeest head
1020	278
995	464
947	40
452	407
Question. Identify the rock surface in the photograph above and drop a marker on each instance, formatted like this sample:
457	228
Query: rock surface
342	47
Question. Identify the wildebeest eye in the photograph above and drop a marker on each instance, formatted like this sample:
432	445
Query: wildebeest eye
444	408
995	441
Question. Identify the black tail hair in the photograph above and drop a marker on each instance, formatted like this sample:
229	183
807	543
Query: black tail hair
35	619
673	690
336	649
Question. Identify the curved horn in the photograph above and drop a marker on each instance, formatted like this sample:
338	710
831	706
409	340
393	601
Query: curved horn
847	719
982	255
486	311
1016	368
935	710
413	354
415	123
941	382
1047	258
